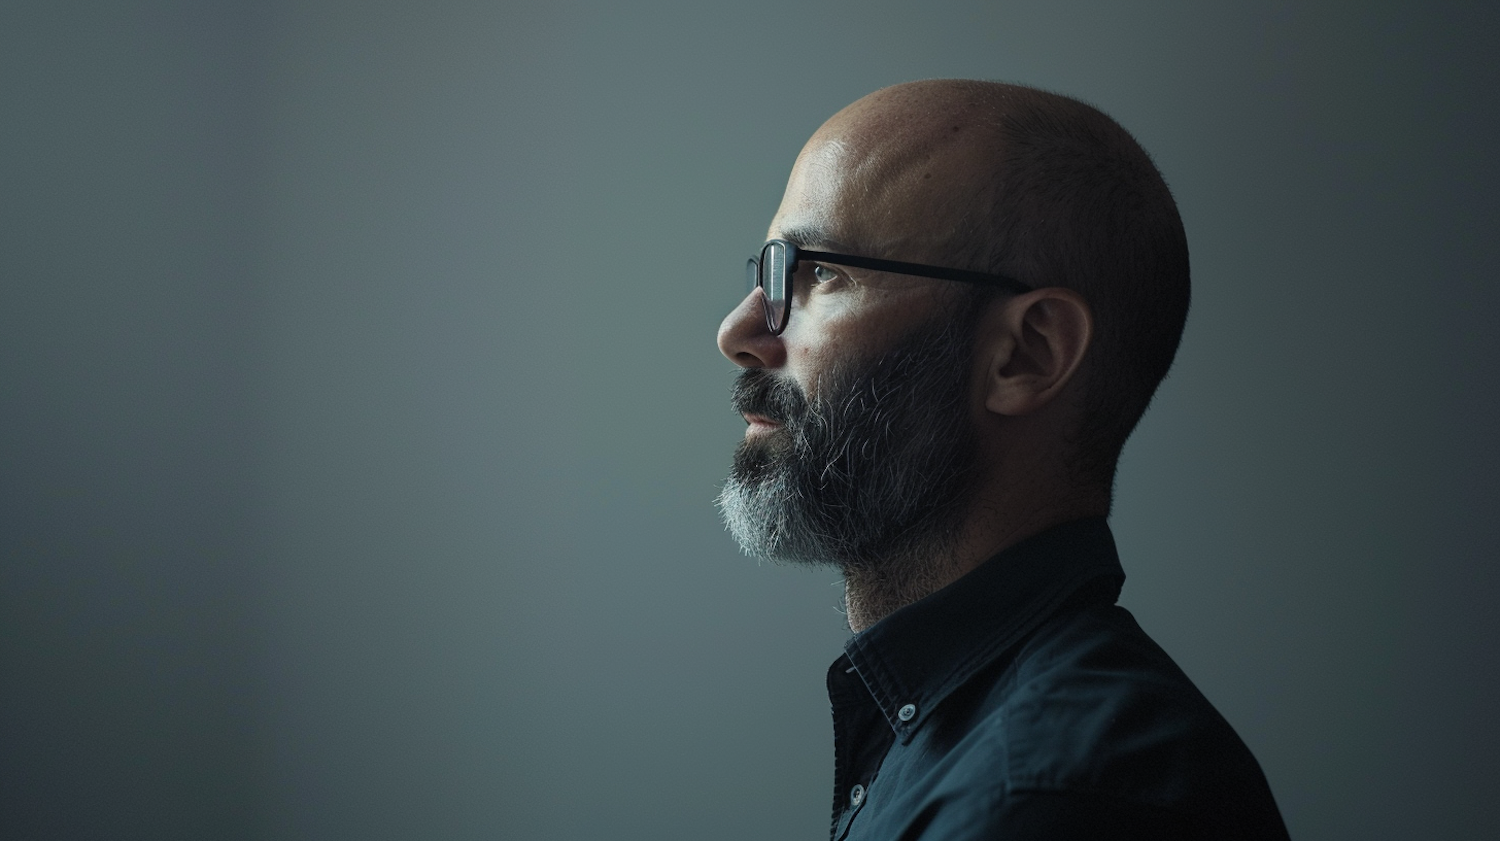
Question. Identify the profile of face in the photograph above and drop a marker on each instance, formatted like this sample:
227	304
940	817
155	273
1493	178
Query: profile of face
861	449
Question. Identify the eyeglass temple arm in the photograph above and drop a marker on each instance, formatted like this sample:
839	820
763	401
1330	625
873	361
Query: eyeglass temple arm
918	269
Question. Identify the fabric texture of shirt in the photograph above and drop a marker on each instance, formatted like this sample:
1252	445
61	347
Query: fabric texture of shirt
1021	702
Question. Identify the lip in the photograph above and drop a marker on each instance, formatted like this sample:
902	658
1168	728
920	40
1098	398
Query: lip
759	424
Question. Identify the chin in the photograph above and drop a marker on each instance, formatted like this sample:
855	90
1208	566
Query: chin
758	456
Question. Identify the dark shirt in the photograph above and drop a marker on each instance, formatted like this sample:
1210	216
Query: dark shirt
1021	702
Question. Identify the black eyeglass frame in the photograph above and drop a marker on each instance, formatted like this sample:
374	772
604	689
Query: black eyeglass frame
795	254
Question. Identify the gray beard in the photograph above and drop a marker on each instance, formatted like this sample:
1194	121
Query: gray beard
872	475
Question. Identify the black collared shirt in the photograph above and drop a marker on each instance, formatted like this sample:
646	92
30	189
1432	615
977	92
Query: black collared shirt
1021	702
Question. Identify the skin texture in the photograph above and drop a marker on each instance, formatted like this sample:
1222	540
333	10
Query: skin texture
885	178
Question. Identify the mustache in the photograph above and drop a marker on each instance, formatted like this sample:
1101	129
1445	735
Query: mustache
759	392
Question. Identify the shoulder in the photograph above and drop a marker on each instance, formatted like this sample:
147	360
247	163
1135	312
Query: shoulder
1094	680
1092	725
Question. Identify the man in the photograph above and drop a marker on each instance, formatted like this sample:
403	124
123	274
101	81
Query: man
970	293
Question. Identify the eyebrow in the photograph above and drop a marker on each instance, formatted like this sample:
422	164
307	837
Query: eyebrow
816	238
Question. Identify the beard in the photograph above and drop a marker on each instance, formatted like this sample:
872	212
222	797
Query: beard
872	474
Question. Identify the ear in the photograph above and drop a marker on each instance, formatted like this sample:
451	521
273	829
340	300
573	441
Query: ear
1033	345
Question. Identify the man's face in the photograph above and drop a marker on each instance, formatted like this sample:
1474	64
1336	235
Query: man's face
861	447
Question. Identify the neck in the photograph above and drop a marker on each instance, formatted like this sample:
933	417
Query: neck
874	592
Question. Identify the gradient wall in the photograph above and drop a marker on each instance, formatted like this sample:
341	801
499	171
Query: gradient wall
360	415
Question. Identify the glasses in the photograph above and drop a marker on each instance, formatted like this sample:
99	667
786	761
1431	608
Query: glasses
776	267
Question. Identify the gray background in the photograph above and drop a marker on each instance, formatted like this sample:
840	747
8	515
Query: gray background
360	414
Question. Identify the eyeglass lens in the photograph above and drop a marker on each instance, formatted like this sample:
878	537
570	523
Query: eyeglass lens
773	282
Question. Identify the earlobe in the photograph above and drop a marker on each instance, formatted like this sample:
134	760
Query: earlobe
1034	346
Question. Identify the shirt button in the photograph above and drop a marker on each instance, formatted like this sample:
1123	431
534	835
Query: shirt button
856	795
907	713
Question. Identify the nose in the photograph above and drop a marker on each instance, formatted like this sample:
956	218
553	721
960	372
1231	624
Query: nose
744	339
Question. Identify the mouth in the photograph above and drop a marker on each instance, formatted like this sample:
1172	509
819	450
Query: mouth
759	424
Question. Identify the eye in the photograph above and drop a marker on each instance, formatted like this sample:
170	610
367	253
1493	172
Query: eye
823	274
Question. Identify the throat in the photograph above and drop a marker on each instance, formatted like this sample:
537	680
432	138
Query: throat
873	593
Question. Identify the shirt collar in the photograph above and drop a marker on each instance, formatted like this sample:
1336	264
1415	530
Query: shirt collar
914	658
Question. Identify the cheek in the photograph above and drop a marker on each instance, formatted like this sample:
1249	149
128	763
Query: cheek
803	362
813	340
823	339
833	330
807	361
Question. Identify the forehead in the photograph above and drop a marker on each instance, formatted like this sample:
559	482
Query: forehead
875	193
815	205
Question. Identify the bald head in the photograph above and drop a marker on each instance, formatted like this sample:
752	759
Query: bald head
1011	180
884	172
